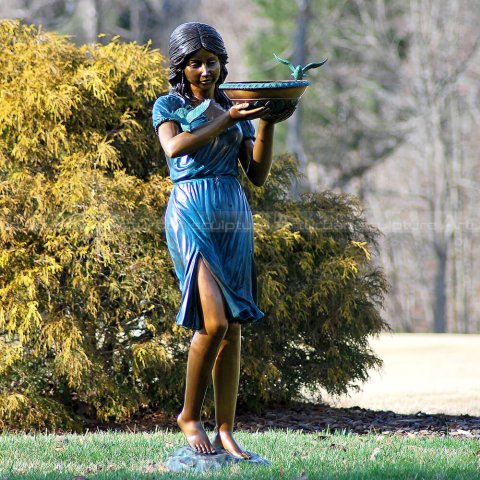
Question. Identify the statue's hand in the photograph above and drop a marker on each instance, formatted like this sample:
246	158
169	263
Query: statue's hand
242	112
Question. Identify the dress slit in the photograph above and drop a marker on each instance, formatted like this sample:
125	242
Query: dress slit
190	313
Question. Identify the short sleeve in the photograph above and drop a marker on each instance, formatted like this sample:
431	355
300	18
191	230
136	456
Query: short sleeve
248	129
163	109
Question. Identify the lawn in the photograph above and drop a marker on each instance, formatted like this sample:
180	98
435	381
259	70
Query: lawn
293	455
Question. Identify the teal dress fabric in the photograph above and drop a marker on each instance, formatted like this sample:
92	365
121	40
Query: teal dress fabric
208	216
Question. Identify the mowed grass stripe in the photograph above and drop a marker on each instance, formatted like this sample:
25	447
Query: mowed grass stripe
293	455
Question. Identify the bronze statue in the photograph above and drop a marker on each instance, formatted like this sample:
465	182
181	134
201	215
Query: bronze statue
204	136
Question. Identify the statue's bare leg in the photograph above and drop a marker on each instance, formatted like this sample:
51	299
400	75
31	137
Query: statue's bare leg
201	358
226	375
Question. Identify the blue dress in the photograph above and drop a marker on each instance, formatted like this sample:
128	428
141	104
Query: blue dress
208	216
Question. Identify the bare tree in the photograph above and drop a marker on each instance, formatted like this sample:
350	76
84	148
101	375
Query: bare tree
439	58
357	117
294	135
436	168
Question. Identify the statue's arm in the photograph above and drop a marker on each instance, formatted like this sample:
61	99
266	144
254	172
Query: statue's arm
176	143
256	157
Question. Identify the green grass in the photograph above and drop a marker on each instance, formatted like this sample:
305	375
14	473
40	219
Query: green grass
293	456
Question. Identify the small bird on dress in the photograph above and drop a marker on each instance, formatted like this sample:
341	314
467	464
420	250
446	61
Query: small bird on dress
185	116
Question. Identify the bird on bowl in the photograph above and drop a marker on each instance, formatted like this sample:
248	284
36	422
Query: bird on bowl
298	71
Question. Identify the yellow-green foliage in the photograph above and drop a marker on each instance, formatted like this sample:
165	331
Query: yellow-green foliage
86	286
321	293
88	295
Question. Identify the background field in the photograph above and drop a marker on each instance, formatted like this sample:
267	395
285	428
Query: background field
432	373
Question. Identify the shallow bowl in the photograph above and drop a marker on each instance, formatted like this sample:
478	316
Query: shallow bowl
281	97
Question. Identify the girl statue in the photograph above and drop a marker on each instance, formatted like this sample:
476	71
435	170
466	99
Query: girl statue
209	222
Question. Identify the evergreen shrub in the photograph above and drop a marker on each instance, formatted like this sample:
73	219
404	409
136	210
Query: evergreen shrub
319	288
88	295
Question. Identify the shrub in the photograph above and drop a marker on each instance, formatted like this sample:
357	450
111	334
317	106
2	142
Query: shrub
320	291
88	294
87	289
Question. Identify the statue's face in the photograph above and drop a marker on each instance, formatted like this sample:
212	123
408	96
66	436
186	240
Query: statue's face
202	70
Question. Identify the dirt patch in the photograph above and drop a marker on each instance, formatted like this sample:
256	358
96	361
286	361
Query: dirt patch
313	418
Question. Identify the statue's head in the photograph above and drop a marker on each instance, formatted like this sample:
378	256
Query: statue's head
187	39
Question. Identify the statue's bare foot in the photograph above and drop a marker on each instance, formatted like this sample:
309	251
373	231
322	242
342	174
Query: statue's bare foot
196	436
225	440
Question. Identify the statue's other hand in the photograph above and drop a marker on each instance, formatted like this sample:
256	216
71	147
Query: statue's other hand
241	111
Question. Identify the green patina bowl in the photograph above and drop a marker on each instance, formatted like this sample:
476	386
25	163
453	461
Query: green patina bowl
281	97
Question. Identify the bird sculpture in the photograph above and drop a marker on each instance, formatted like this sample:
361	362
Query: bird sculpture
186	116
298	72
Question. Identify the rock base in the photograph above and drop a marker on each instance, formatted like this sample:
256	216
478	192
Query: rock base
185	459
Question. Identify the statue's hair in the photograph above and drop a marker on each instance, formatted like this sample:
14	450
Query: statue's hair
187	39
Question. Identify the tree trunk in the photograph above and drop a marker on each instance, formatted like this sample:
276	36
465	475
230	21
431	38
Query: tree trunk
294	136
90	15
135	22
440	297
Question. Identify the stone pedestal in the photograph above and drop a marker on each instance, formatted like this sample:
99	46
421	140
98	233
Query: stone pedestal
185	459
